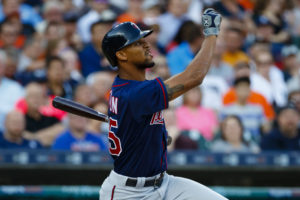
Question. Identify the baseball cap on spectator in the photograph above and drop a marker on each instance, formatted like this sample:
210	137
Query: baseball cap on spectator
290	50
71	17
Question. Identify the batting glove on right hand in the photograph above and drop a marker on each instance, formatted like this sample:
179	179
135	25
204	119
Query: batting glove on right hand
211	21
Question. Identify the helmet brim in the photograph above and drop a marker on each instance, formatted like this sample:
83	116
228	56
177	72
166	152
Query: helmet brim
143	34
146	33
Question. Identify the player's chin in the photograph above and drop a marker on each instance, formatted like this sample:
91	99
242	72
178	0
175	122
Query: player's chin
147	64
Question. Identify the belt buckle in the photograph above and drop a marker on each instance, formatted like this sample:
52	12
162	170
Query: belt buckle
158	181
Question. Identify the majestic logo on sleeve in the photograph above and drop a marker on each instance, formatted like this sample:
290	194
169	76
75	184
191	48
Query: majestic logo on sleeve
157	118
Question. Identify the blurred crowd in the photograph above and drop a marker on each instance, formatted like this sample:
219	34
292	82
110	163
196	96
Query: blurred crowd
248	102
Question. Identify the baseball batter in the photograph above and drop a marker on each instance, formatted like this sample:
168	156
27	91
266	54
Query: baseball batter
137	131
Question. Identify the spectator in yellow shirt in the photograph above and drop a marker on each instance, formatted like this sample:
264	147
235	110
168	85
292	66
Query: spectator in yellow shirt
233	43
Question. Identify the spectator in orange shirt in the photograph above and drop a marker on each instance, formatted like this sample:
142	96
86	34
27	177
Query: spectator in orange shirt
243	69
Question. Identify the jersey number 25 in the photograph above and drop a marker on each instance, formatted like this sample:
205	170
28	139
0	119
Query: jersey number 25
117	149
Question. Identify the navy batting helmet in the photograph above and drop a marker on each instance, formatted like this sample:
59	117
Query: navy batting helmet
119	37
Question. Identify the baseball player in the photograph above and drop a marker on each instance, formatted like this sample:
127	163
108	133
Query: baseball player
137	131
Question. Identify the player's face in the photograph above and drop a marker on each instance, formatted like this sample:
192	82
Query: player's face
139	53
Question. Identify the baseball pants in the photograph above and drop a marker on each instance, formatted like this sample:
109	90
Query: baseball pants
172	188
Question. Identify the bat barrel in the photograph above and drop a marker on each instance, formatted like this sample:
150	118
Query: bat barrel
78	109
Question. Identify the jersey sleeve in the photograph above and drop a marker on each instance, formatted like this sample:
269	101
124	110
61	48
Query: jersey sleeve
148	97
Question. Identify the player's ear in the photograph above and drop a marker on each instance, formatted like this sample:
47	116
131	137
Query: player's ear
121	55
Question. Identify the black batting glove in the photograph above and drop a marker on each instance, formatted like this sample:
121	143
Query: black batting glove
211	21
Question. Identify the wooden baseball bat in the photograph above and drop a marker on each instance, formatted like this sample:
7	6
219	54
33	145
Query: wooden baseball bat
78	109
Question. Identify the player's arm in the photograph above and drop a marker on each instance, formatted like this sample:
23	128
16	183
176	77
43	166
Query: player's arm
198	68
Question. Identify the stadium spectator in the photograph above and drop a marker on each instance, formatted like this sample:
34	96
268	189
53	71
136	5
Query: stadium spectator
10	91
54	32
292	17
11	64
179	141
46	109
268	80
97	127
12	138
76	137
39	126
134	12
101	83
232	138
290	63
100	9
72	65
179	57
243	70
25	30
233	54
220	68
70	27
291	67
181	35
272	10
213	87
294	99
27	13
56	82
252	115
229	9
264	30
152	10
52	13
188	115
84	95
170	21
286	135
10	38
91	57
29	59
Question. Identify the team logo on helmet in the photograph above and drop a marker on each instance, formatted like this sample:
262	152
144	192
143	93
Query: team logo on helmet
135	26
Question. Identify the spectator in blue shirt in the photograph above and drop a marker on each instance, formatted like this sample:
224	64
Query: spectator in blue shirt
12	138
179	57
91	57
27	13
76	137
286	135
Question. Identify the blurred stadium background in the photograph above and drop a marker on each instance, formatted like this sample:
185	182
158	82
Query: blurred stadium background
238	133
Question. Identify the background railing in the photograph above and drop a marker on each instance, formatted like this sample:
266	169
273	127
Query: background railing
63	175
